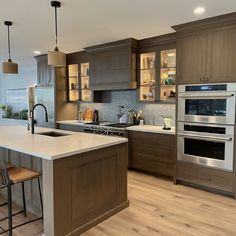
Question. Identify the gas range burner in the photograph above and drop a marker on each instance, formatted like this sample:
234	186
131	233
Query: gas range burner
100	123
120	125
107	128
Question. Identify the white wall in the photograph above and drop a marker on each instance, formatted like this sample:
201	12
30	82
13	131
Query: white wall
23	79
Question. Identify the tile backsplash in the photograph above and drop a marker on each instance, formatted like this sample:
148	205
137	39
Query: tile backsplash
153	113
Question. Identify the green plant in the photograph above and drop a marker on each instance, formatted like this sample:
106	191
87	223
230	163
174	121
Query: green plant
136	116
15	115
3	107
8	113
23	114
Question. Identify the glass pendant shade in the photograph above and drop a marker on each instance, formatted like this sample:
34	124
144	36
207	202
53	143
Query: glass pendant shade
56	58
9	67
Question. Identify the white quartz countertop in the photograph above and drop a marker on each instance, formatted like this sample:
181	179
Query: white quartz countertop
18	138
151	129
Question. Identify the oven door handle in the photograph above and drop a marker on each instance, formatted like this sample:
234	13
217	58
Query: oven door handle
205	137
216	95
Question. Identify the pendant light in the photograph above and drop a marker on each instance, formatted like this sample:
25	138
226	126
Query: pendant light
8	66
56	58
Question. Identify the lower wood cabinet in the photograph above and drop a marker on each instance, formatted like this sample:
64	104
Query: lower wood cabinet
152	152
209	178
71	127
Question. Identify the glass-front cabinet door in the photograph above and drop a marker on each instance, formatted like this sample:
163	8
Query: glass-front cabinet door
167	74
73	83
158	76
78	87
86	94
147	77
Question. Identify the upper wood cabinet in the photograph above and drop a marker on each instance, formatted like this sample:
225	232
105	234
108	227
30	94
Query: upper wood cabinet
113	65
222	55
79	77
191	58
206	51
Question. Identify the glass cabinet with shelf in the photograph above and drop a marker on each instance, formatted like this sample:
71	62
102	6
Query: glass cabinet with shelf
73	82
86	94
167	74
78	88
147	76
157	76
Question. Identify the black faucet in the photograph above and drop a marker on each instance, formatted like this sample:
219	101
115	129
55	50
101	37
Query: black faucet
32	115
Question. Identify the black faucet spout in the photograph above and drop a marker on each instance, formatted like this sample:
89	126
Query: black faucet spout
32	115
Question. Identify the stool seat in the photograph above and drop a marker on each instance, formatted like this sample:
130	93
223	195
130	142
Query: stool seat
9	176
9	165
21	174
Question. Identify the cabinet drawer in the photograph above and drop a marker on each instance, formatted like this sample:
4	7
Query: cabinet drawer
155	153
143	162
207	177
152	152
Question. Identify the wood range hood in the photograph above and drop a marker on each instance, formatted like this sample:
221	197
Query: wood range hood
113	65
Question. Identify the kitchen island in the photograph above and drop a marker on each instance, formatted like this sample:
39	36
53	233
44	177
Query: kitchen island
84	175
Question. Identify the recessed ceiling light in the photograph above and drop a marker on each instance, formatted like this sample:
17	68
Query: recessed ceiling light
37	52
199	10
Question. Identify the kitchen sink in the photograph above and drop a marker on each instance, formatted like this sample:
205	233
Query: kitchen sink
53	134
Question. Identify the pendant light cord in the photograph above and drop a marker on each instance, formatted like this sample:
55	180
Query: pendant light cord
9	45
56	24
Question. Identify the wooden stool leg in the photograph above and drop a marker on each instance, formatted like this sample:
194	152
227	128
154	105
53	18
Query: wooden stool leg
23	198
9	198
40	195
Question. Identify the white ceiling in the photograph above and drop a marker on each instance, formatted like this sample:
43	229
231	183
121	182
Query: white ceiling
85	23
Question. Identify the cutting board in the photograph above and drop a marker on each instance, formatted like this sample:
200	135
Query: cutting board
88	114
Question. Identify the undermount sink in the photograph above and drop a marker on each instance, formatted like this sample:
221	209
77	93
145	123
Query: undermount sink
53	134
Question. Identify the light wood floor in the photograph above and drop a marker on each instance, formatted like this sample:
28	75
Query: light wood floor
157	207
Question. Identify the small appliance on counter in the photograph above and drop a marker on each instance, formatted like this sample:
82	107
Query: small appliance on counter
167	123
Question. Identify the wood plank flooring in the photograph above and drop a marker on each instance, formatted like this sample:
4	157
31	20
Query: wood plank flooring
157	207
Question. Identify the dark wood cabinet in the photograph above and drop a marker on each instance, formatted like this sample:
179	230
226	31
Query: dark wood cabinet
206	51
191	58
152	152
222	55
113	65
54	82
79	79
209	178
71	127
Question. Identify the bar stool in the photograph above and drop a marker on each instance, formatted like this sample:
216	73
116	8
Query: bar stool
11	175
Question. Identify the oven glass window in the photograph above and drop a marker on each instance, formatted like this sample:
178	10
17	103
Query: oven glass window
205	107
203	148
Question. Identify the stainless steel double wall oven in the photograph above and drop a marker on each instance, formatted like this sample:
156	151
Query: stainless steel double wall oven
206	124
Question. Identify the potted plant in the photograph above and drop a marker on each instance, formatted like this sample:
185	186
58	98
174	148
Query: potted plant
3	108
8	113
135	116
